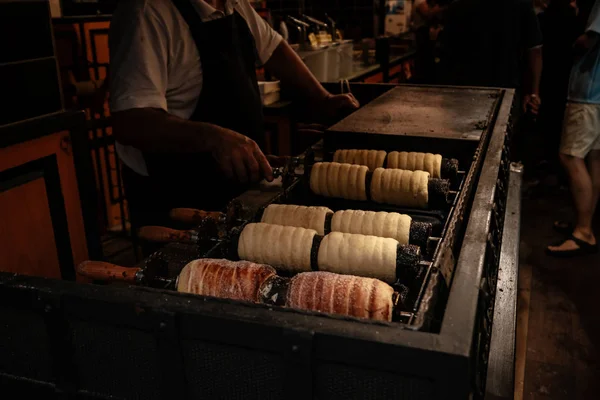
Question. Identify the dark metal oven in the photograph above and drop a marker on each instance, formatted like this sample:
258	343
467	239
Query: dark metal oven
131	342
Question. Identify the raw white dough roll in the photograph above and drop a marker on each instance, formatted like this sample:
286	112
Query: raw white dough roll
361	255
292	215
400	187
284	247
427	162
371	158
346	181
383	224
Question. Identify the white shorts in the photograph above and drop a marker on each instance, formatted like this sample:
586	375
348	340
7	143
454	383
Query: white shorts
581	129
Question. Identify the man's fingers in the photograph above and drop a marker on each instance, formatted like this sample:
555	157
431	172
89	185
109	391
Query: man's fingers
239	166
227	168
252	167
353	100
348	101
264	166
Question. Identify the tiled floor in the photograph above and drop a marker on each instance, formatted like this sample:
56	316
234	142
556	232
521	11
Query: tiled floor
558	339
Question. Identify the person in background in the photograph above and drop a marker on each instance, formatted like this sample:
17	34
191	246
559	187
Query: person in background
580	142
493	44
560	27
425	17
185	103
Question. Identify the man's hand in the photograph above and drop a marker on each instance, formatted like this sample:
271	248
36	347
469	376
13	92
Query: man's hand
531	104
240	158
584	43
288	67
334	105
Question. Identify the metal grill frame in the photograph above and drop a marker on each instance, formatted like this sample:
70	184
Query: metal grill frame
448	359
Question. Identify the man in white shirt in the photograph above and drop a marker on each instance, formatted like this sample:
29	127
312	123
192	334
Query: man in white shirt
187	112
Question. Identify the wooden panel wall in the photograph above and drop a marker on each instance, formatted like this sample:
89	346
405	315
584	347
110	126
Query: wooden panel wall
42	231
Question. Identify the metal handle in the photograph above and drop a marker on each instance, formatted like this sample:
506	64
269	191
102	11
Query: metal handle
314	21
331	21
160	234
302	26
193	216
331	28
345	86
298	22
103	271
278	172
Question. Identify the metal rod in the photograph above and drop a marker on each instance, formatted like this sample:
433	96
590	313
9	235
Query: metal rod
315	21
298	22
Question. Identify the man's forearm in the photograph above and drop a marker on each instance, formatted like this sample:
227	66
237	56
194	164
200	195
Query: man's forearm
288	67
155	130
533	72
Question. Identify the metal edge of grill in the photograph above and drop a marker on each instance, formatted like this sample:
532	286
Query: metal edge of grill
444	257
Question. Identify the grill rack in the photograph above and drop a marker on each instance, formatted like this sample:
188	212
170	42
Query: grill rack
166	263
297	191
336	358
431	278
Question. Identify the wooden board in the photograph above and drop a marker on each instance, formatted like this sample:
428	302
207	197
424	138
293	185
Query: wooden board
42	231
26	235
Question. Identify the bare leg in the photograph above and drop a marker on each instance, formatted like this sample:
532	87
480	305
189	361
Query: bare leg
594	169
583	197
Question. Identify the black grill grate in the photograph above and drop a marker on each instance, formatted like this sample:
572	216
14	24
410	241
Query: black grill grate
342	382
24	349
117	361
235	372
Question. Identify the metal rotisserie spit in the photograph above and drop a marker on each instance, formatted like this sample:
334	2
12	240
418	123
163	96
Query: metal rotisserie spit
370	273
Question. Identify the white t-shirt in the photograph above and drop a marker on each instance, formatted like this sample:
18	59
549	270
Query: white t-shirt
154	61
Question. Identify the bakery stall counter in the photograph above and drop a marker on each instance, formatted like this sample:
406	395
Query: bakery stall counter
370	272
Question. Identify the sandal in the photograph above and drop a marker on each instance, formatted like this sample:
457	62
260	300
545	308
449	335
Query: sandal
563	227
585	248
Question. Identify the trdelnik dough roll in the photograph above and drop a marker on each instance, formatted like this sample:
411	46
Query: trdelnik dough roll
237	280
293	215
347	181
284	247
371	158
341	294
400	187
362	255
412	161
383	224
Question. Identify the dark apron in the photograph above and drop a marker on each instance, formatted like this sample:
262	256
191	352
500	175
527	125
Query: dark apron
230	98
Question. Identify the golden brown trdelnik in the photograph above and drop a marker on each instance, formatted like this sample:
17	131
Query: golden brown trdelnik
341	294
236	280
